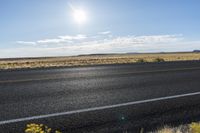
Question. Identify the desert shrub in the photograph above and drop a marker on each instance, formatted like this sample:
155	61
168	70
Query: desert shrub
38	128
166	130
140	60
158	60
189	128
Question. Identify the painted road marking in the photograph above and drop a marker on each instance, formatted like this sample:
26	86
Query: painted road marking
83	76
96	108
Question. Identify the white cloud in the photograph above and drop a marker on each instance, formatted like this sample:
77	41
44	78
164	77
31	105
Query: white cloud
78	37
26	43
51	41
81	44
104	32
148	39
59	39
111	39
62	39
130	43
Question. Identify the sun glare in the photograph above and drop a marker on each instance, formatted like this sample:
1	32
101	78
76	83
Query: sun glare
80	16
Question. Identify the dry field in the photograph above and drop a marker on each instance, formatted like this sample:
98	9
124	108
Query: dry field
93	60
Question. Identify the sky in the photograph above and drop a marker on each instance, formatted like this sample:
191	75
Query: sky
36	28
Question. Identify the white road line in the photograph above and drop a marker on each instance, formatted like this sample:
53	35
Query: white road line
96	108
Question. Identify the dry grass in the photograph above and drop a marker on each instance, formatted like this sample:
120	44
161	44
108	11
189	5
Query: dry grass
180	129
194	127
190	128
94	60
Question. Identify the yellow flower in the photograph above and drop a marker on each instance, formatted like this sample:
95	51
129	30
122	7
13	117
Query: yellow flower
38	128
195	127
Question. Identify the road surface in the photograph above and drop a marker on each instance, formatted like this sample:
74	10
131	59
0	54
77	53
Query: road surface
69	98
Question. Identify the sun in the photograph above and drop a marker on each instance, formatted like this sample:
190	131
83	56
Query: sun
80	16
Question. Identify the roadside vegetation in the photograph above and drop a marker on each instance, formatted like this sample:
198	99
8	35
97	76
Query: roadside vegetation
39	128
190	128
94	60
159	60
140	60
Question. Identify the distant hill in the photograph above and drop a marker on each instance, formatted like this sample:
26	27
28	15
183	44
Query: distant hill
97	54
196	51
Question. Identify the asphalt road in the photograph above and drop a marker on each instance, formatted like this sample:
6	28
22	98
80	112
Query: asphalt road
71	98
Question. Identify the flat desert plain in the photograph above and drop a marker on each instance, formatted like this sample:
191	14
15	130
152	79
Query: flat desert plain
47	62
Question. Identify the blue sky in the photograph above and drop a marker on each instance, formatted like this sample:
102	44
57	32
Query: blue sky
47	27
